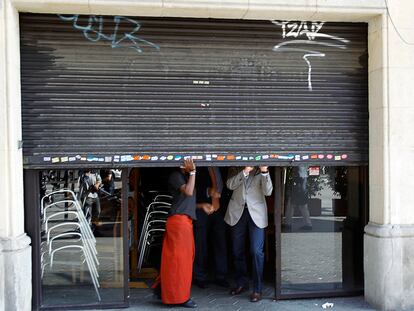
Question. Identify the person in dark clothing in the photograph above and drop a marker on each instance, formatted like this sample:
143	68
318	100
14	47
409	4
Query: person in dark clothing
178	245
210	228
108	181
297	196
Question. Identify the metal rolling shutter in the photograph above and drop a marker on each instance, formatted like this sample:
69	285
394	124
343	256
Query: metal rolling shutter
143	89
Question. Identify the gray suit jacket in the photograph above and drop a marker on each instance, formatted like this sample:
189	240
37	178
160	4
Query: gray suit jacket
251	190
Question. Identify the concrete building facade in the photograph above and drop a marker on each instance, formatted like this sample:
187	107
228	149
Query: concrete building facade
389	236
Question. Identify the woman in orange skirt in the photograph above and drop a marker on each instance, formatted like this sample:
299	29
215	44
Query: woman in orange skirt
178	244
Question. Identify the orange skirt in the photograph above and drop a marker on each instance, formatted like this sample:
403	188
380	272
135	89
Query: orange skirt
177	260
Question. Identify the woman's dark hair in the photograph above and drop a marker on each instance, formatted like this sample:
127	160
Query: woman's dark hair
105	173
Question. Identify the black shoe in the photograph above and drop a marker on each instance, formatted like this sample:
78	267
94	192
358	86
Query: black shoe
238	290
286	228
200	283
255	297
189	304
222	283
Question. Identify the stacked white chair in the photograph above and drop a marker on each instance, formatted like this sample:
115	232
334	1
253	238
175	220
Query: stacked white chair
163	198
154	226
76	237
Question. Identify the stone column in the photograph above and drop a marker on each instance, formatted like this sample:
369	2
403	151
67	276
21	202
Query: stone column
389	237
15	250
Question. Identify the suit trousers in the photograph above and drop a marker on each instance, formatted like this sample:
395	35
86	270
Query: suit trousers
256	237
209	228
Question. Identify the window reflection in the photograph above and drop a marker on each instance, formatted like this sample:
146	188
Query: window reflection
81	236
321	229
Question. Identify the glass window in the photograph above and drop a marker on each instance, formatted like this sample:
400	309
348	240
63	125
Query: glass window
81	237
322	229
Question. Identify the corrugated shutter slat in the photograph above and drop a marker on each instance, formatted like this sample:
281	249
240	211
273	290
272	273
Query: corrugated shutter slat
212	87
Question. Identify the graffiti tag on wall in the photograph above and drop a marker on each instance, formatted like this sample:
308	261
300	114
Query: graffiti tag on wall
306	34
94	30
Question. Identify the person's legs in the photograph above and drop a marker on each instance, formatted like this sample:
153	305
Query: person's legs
201	247
96	209
304	210
256	236
218	233
87	208
288	213
238	238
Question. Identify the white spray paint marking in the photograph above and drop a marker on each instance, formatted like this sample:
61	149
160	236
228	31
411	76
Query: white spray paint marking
298	29
305	57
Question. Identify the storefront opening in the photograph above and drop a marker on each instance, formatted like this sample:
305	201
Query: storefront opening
92	247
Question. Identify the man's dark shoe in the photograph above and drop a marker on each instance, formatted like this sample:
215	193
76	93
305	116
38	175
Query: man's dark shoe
238	290
189	304
200	283
222	283
255	297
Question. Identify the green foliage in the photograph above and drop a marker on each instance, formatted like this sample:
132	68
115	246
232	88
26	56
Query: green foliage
314	183
338	181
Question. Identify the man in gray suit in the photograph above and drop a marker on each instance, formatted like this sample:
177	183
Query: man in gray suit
247	211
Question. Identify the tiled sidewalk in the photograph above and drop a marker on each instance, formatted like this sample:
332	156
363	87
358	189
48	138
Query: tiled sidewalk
215	298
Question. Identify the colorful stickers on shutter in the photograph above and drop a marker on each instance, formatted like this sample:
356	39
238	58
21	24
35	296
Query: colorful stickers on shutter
207	157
